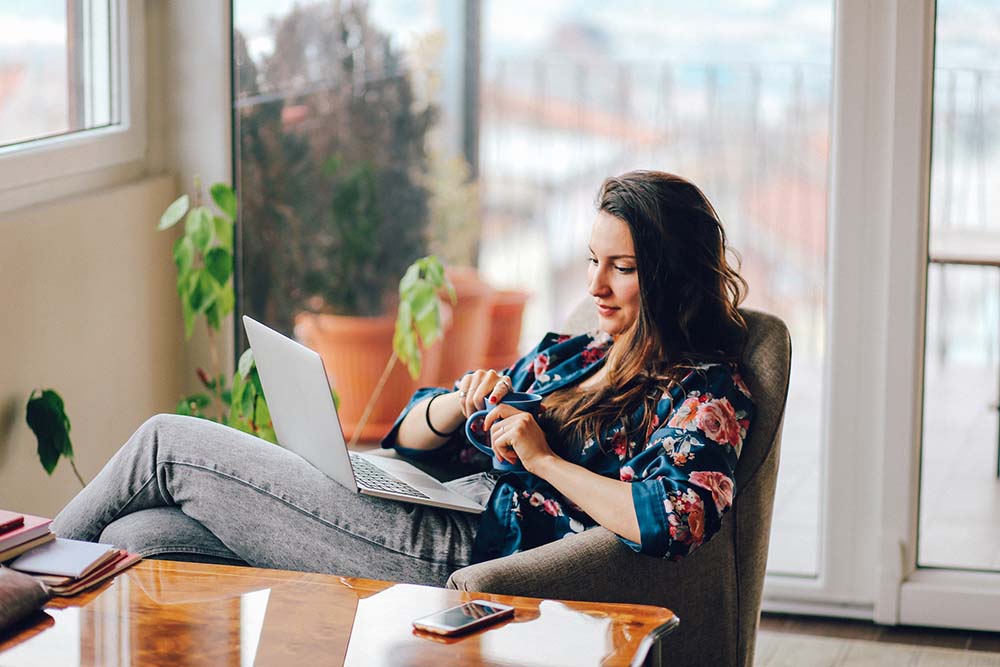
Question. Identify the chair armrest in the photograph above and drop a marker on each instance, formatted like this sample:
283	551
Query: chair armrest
581	567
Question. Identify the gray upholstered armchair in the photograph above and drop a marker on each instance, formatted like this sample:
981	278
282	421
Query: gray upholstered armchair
717	590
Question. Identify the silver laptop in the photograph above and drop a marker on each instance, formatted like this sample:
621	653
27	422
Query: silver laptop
305	421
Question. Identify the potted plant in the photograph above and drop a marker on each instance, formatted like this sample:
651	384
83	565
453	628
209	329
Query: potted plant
487	321
203	254
334	207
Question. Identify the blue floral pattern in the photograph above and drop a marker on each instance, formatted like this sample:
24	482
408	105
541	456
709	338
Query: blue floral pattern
681	469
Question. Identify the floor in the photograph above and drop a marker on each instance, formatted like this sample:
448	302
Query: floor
794	640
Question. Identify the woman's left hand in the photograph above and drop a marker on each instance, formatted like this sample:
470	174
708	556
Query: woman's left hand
516	436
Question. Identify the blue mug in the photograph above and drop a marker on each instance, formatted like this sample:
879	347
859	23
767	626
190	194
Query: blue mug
480	438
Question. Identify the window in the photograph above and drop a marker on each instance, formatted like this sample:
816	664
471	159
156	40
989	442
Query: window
542	115
69	82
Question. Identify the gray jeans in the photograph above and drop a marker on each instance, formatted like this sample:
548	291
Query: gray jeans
184	486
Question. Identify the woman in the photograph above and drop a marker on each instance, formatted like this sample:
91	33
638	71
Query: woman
642	426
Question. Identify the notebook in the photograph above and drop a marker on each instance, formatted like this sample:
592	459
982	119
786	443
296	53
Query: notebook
10	520
121	561
34	526
66	558
14	552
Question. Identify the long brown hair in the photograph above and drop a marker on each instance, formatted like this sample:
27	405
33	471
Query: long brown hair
689	295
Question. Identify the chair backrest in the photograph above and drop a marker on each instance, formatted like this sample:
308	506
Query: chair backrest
718	589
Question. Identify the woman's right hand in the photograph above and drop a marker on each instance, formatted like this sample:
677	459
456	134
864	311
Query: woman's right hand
482	387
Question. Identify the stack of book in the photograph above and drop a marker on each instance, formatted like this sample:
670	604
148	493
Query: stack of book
66	567
22	532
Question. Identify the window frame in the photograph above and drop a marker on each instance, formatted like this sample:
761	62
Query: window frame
32	170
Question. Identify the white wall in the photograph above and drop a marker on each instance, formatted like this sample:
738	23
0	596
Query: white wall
86	282
87	290
189	102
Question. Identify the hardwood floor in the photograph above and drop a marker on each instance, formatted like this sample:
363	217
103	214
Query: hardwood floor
864	630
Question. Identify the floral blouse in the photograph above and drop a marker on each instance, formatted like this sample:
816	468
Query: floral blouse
681	472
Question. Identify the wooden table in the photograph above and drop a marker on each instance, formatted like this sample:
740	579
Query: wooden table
168	613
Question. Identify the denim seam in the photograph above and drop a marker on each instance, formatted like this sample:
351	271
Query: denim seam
188	550
306	512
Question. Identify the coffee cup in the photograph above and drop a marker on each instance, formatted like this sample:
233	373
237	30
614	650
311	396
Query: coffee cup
480	437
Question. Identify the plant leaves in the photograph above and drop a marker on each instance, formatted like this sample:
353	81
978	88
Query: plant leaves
409	278
212	317
263	414
224	198
246	363
188	315
183	254
219	263
204	291
428	326
236	395
199	226
193	405
223	232
46	416
247	402
423	298
225	300
174	213
434	271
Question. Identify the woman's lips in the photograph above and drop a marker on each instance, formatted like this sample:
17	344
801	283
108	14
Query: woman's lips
607	311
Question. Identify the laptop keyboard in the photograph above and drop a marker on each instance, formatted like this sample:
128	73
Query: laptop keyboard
372	477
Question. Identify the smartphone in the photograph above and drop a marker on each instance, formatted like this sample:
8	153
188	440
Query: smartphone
469	616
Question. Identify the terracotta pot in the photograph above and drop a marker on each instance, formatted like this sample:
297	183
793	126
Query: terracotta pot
467	339
506	315
355	351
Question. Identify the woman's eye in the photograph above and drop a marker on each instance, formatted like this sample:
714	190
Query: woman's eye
624	269
592	260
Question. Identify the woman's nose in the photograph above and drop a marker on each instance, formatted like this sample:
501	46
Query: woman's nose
598	285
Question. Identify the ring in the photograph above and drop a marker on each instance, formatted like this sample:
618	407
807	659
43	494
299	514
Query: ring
462	393
506	380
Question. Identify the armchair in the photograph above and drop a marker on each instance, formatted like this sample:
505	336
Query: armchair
717	590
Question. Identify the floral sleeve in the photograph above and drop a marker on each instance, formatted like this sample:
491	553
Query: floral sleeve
457	447
683	478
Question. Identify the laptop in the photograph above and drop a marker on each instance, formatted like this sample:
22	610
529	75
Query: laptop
306	423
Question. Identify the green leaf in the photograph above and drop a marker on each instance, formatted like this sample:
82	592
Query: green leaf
199	226
223	232
212	316
255	382
263	413
246	403
189	315
193	405
46	416
423	298
224	198
183	255
404	316
267	433
174	213
245	364
225	300
236	396
428	326
434	271
219	263
409	278
204	292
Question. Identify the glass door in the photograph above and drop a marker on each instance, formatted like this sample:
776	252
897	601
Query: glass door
960	477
